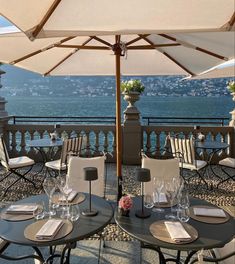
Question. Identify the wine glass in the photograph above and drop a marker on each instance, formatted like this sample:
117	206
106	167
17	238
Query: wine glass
49	186
65	190
158	187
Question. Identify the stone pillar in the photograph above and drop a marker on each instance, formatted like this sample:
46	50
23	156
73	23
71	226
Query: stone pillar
3	113
132	135
232	124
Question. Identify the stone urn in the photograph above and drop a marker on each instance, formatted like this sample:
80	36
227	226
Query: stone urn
131	112
233	95
131	98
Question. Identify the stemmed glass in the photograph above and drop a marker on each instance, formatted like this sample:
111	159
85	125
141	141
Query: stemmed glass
49	186
158	187
65	190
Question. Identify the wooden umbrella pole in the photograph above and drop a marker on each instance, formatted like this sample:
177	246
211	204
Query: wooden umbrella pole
117	52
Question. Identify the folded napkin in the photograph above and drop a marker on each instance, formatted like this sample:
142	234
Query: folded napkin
162	198
22	208
72	195
177	232
212	212
49	229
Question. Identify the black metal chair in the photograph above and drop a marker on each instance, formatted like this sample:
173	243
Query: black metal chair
14	166
185	146
224	165
71	146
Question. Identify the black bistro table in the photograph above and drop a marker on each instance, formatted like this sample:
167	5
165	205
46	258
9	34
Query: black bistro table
211	148
45	143
209	235
84	227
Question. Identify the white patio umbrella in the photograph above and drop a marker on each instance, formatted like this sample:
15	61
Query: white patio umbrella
57	18
190	54
224	70
155	54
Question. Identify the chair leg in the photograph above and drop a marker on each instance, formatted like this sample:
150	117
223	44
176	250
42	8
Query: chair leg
22	176
8	174
230	177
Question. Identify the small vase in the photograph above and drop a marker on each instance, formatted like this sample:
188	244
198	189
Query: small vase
124	212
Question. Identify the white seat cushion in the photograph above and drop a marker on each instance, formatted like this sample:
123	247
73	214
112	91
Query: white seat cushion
229	162
228	248
20	162
197	165
55	165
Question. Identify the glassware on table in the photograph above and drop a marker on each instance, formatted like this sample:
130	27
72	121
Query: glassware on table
158	187
171	192
148	201
183	207
49	186
74	212
65	191
40	212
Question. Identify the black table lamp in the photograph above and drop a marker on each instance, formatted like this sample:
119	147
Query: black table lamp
143	175
90	174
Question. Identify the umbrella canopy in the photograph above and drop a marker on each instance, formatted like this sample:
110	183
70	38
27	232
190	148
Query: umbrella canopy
56	18
142	54
155	54
224	70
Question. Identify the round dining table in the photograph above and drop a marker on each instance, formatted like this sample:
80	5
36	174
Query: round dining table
84	227
209	235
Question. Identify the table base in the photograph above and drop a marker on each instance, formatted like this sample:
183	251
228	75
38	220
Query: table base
64	256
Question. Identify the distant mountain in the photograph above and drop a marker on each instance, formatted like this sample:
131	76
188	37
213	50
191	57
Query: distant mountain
25	83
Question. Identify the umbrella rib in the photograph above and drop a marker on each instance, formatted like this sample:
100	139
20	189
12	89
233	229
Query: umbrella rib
230	23
83	47
45	18
39	51
169	57
188	45
61	61
154	46
102	41
135	40
179	64
70	54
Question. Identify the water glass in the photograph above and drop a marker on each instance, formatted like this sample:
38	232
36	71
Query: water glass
183	206
183	214
74	213
40	212
148	201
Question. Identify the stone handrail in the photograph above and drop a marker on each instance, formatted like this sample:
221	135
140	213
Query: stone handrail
154	137
98	137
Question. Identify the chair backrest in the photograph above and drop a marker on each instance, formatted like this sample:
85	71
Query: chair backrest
75	175
160	168
70	146
3	153
185	147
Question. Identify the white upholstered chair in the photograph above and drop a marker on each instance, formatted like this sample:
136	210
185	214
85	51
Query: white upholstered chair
13	166
71	146
185	146
75	175
160	168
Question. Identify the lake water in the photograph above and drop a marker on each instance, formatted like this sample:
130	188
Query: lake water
105	106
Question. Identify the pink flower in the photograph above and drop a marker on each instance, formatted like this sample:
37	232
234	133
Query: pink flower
125	202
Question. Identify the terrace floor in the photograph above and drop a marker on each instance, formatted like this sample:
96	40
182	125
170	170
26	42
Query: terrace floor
120	247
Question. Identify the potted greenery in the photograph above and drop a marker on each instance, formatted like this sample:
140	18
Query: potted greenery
231	88
131	90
